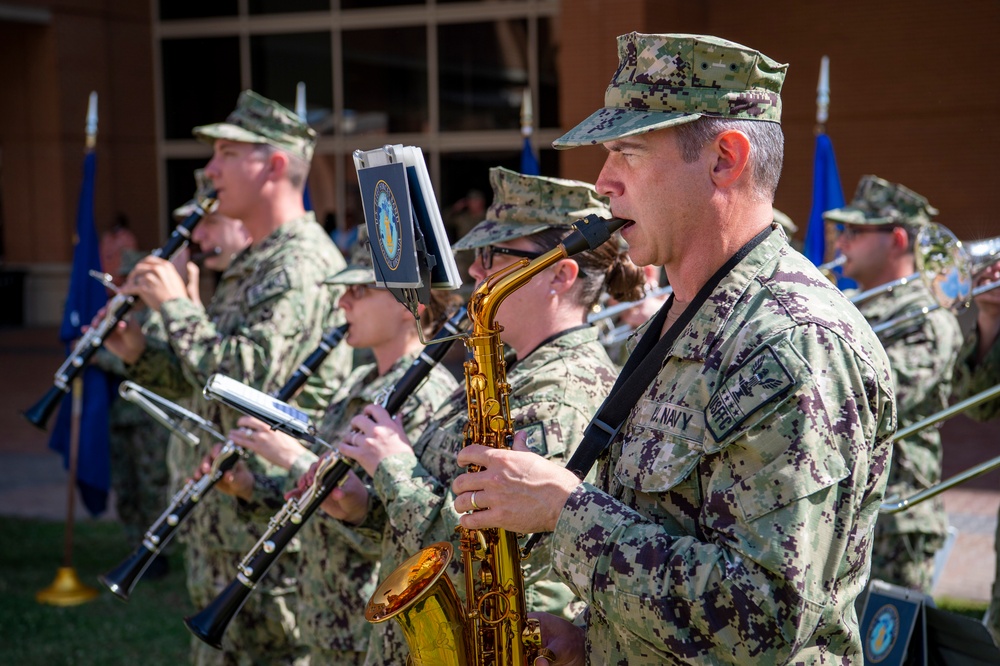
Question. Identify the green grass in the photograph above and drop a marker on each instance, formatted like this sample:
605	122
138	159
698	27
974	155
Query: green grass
147	630
973	609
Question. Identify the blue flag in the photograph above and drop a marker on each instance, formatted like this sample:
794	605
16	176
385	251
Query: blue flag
86	296
529	163
827	194
306	199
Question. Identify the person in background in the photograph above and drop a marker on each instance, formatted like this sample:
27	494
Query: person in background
269	311
877	234
338	572
557	374
978	369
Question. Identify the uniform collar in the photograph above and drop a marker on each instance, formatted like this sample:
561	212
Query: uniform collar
714	314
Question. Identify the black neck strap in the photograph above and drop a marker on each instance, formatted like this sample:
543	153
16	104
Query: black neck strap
643	365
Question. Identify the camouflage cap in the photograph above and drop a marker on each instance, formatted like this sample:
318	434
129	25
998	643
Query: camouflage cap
667	80
257	119
202	189
877	202
785	222
524	205
359	268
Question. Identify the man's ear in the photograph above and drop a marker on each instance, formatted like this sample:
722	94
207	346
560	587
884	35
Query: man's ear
732	154
277	163
900	238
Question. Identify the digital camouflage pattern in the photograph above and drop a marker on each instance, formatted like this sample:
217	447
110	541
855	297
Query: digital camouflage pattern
257	119
524	205
972	378
667	80
339	571
731	519
137	441
267	315
877	202
554	392
922	358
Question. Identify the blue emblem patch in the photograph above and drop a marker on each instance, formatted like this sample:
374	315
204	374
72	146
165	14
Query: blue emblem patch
883	631
390	230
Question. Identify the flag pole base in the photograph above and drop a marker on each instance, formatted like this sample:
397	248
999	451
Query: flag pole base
66	590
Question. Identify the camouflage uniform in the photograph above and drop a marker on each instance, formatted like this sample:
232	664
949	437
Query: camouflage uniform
731	518
138	444
554	391
268	313
972	378
338	571
922	355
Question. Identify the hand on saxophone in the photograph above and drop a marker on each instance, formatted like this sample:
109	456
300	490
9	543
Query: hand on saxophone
561	638
516	490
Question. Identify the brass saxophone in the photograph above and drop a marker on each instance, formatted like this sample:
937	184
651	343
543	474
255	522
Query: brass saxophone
492	628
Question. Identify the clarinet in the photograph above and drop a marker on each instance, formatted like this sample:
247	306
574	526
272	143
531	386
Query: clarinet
123	578
38	414
210	623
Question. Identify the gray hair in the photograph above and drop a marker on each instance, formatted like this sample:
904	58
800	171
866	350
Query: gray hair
767	148
298	168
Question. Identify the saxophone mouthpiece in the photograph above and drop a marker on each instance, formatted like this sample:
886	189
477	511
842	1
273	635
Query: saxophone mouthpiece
591	232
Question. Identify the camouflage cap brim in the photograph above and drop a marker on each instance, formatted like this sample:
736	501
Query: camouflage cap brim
352	275
489	232
210	133
610	124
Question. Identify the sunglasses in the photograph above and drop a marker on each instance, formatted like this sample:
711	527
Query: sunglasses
485	254
850	233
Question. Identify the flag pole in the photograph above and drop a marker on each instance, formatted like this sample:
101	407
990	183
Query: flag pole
529	163
300	111
66	589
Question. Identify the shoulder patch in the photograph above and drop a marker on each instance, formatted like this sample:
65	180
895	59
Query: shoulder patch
761	379
272	285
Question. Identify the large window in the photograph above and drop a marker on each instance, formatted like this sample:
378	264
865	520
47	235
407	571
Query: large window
446	75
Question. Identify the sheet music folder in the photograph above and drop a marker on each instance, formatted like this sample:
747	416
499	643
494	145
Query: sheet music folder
410	250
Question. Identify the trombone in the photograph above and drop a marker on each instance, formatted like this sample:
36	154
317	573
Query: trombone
613	335
896	504
947	267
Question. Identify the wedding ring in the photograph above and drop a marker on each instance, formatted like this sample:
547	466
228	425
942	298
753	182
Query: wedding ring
472	500
548	654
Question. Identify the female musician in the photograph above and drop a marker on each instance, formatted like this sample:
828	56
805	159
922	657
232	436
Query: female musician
558	379
338	572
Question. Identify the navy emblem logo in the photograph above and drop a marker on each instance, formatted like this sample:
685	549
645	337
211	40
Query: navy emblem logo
387	225
761	379
883	631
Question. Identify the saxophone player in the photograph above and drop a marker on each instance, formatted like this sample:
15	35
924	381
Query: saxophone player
560	373
732	512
